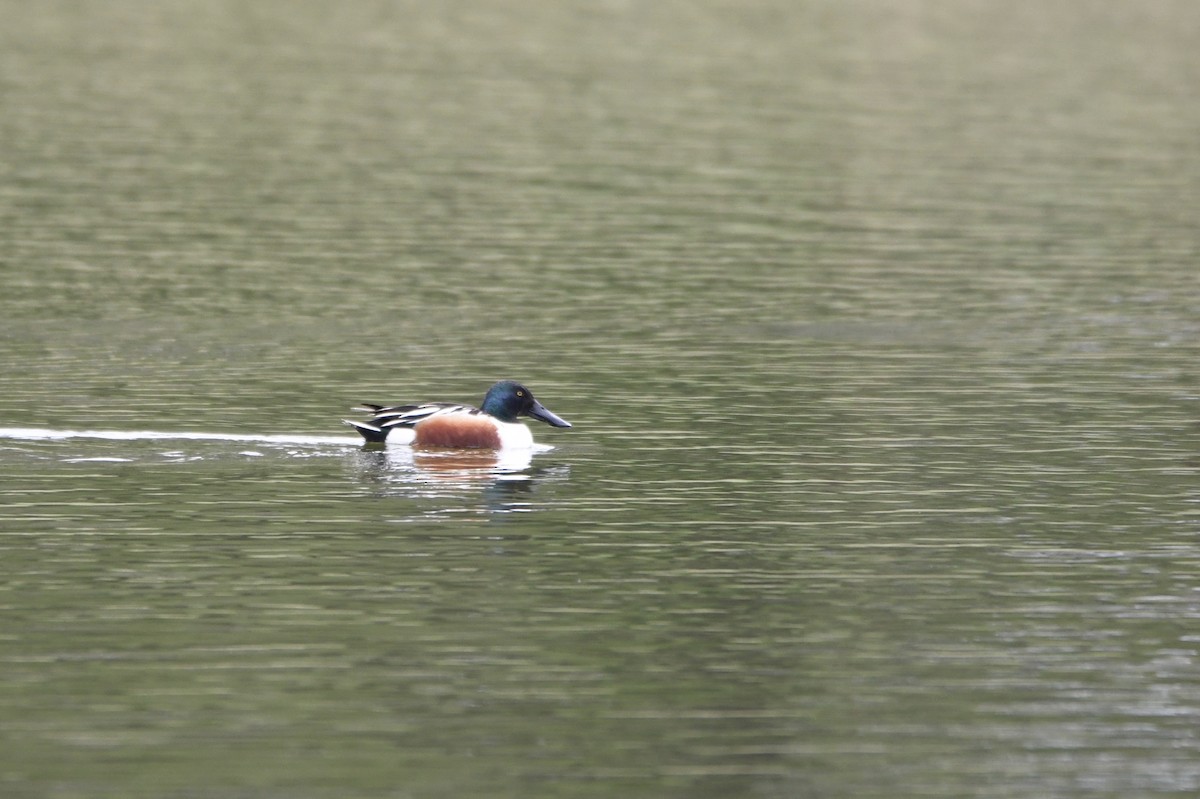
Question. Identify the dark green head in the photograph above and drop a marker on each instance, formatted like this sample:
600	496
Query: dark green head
509	399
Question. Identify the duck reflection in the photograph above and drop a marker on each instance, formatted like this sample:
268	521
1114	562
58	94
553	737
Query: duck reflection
462	480
468	464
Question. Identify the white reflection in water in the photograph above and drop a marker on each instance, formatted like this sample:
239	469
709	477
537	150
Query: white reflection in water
460	481
46	434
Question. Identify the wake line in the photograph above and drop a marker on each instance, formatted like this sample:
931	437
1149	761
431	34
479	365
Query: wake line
46	434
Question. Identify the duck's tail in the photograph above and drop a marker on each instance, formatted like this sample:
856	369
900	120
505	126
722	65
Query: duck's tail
374	434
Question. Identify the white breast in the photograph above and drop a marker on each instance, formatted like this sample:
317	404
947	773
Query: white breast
514	435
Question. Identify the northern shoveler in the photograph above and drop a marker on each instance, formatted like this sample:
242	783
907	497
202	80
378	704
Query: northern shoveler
493	425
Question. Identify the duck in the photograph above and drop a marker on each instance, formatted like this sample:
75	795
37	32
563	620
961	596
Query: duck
493	425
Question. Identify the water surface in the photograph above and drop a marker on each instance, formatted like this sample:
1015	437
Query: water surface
877	328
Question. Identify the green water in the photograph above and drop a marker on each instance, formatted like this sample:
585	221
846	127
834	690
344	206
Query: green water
877	324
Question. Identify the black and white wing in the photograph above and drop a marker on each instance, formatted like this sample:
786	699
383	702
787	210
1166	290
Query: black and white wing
411	415
384	419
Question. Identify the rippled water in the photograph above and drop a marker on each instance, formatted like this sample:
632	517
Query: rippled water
877	328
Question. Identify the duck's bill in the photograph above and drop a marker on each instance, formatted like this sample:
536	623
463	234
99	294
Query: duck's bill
543	414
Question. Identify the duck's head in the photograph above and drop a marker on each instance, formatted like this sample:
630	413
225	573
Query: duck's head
509	399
